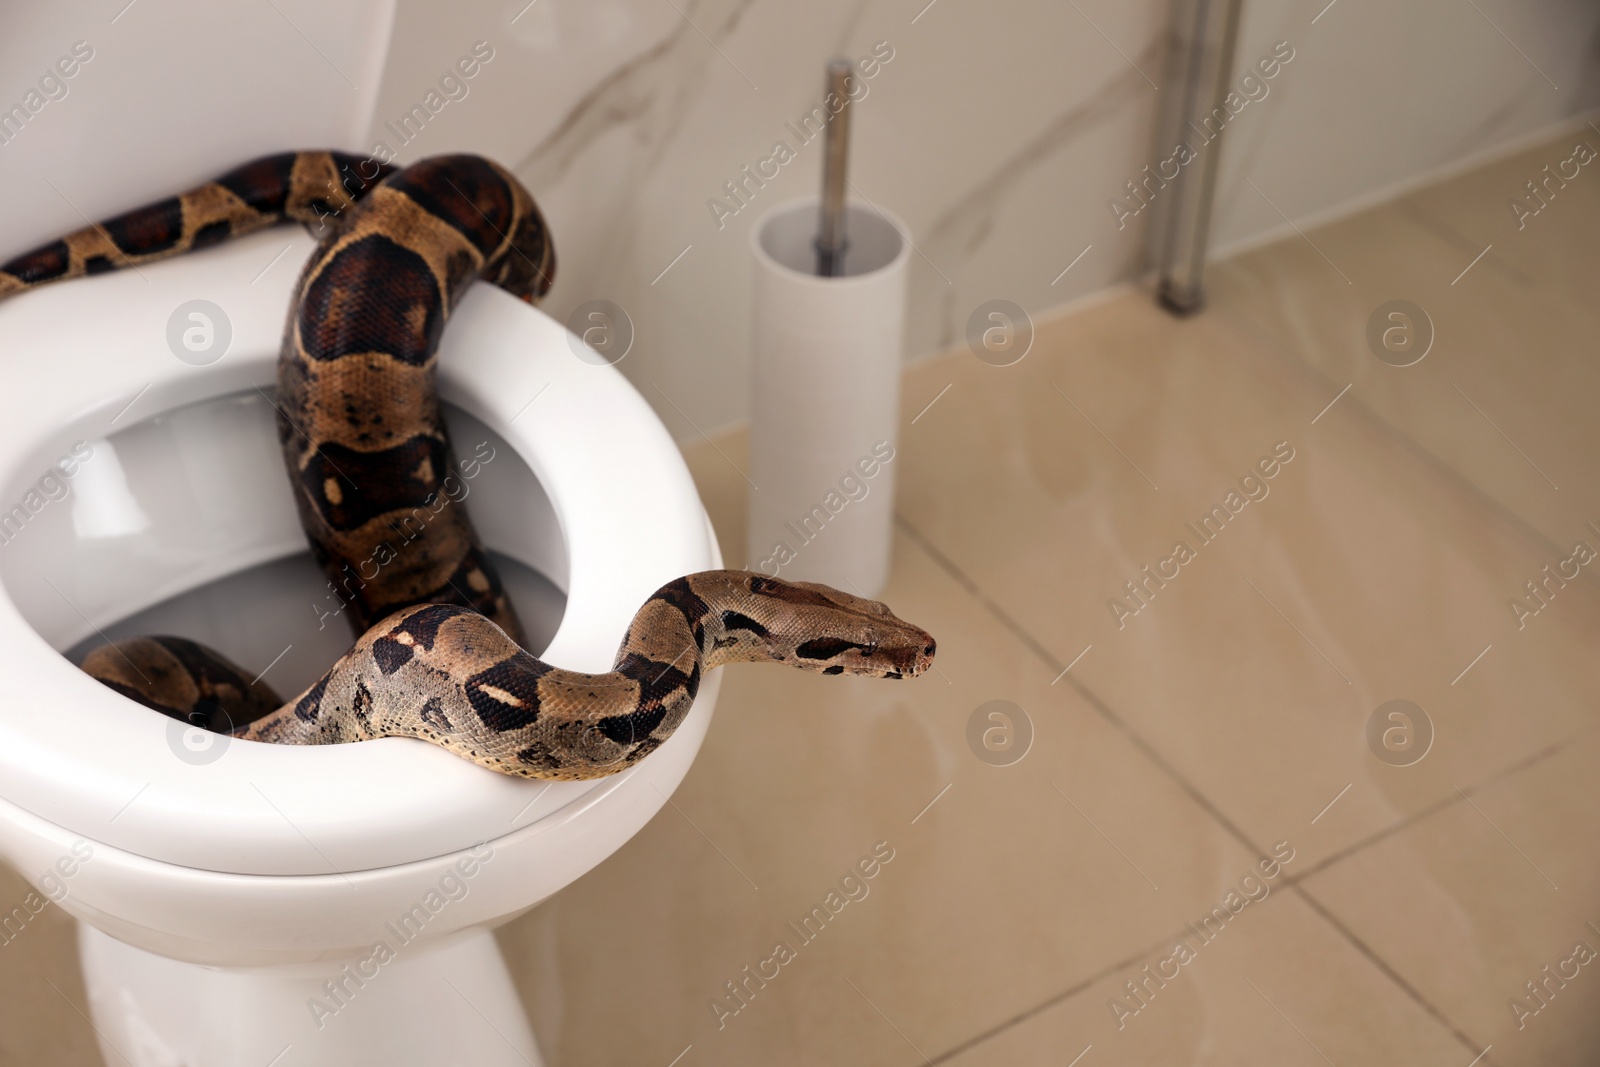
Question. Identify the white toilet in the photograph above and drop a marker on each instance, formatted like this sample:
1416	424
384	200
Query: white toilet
234	896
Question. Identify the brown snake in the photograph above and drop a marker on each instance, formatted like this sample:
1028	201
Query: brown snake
438	654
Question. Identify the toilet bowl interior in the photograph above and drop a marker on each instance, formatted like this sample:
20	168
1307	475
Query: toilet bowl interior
184	520
176	525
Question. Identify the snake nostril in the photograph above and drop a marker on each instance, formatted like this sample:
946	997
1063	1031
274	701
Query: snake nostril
929	650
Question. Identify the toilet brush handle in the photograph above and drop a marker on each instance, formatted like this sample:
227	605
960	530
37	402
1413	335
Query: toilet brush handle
831	238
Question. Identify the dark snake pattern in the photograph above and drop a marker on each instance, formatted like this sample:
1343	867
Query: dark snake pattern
439	651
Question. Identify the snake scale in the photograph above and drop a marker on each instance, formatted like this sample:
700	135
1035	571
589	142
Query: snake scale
438	652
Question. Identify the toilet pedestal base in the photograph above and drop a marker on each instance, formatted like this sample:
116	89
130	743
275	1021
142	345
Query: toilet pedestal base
439	1004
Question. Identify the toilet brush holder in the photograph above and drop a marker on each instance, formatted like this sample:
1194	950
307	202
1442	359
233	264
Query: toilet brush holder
826	398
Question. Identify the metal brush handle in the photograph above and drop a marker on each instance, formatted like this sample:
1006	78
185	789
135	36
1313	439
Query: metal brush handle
831	237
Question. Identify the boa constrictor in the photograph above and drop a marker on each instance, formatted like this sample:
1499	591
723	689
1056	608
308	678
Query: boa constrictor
438	654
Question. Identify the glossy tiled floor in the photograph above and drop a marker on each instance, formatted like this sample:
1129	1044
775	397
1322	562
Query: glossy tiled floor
1177	747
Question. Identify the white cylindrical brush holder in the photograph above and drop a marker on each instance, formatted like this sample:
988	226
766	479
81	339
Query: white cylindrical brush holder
826	400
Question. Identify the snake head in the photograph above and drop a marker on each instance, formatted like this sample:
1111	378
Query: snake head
819	628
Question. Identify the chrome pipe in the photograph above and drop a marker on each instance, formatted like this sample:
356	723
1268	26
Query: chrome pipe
1199	70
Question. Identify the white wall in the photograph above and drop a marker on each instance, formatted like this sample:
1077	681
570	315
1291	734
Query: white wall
1383	94
998	132
995	132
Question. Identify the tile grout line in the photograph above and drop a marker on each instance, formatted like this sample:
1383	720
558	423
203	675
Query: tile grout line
1384	967
1105	711
1045	1005
1423	814
1092	698
1049	1002
955	573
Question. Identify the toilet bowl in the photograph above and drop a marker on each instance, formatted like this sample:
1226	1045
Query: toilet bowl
287	866
254	904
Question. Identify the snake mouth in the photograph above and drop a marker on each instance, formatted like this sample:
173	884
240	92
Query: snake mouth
912	660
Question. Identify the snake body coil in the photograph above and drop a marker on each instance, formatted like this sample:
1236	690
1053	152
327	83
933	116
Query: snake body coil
439	653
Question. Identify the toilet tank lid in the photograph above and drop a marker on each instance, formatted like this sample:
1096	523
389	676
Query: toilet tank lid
99	116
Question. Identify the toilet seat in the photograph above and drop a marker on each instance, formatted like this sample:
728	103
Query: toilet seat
90	356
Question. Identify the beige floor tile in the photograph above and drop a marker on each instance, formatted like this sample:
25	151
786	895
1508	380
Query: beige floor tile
1362	577
1474	901
40	1022
720	467
1553	252
1278	986
1513	336
1001	894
